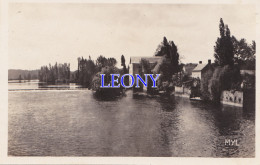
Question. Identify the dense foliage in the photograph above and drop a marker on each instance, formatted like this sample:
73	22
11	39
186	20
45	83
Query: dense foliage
147	68
103	62
170	51
18	74
123	63
169	65
204	86
55	73
229	50
86	71
231	55
223	78
106	93
244	53
224	49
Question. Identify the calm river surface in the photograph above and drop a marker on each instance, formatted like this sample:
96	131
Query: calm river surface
75	123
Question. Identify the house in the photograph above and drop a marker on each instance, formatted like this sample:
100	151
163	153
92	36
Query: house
135	67
200	69
188	68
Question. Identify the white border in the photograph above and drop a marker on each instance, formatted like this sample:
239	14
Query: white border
4	159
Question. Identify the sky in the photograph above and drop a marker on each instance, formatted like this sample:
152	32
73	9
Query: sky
43	33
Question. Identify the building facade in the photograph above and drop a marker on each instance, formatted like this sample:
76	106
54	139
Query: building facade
136	68
198	71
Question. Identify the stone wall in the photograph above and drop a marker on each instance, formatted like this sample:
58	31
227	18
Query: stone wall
232	98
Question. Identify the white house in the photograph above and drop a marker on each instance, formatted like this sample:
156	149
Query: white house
197	71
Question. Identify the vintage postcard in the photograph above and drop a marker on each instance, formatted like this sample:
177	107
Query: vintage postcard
129	82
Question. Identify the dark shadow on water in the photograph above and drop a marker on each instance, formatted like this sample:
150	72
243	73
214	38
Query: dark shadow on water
108	94
106	98
139	96
167	103
59	86
228	118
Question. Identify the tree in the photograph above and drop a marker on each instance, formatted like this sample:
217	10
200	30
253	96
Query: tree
78	68
244	54
20	78
103	61
162	48
123	64
169	65
122	60
204	85
111	62
29	77
87	70
174	56
170	51
106	93
223	78
224	50
52	74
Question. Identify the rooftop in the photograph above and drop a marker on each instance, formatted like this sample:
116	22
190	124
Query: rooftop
189	67
199	67
149	59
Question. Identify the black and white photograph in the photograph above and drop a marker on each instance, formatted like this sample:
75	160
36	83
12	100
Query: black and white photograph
131	80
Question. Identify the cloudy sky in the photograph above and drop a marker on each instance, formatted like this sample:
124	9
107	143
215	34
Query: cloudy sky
40	34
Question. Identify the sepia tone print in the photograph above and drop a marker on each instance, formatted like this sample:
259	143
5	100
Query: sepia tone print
202	105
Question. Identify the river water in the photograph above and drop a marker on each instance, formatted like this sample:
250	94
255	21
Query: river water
75	123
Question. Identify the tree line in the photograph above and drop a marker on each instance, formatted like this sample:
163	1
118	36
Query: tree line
169	66
230	55
88	69
19	74
229	50
57	73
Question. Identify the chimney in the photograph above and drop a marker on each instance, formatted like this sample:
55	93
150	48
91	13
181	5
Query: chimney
209	61
200	62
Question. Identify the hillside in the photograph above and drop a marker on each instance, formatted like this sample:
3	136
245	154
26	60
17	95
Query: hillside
13	74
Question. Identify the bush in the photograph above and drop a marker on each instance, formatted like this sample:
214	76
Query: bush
205	94
106	93
195	88
223	78
248	81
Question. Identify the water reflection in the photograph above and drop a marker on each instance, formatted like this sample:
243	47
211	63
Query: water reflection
79	124
36	85
43	85
167	103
